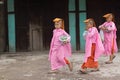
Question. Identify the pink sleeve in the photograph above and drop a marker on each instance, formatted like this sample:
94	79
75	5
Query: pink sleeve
91	32
102	25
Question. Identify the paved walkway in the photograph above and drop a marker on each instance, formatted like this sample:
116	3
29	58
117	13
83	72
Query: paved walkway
35	66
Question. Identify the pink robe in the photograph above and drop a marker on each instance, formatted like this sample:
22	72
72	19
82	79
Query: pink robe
92	34
109	38
58	51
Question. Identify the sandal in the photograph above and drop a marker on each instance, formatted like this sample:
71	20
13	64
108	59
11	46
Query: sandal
95	70
83	72
108	62
53	72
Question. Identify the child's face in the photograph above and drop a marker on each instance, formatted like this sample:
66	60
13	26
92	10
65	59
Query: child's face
89	25
58	24
109	19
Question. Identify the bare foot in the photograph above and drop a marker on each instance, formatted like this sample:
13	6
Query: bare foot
113	57
70	65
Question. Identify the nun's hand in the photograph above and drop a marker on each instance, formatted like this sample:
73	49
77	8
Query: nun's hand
103	28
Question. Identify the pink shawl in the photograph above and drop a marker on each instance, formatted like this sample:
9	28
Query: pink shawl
99	46
59	51
110	38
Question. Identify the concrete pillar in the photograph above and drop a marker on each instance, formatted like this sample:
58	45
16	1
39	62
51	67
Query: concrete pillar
82	17
72	23
11	26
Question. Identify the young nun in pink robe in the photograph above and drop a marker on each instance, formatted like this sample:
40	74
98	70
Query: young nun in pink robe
109	30
59	50
93	47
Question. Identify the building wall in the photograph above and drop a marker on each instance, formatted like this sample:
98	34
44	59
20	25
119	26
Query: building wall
77	14
21	14
96	9
32	16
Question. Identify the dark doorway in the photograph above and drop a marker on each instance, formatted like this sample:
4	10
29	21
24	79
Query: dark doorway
96	9
34	22
3	27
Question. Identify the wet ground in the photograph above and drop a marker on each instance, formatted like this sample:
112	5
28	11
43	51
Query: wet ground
35	66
